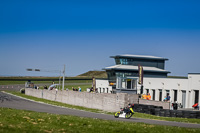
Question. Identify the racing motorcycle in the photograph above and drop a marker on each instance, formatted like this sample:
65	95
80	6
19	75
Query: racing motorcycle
126	112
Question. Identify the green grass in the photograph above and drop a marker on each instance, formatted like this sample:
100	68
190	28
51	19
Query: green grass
13	120
147	116
83	87
10	82
138	115
2	82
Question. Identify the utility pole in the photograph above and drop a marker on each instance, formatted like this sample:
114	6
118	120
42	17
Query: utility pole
55	71
63	85
60	79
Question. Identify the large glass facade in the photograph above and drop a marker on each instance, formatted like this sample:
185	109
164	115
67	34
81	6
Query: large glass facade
126	74
111	76
143	62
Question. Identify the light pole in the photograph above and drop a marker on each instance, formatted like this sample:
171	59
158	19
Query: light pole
63	79
55	71
59	80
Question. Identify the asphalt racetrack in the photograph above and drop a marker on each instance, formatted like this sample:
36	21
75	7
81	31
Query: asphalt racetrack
11	101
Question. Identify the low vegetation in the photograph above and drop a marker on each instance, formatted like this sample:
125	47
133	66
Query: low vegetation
13	120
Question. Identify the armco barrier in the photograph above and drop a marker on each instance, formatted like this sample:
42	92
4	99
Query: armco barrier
159	111
102	101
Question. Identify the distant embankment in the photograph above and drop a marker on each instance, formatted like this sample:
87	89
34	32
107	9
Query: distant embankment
41	78
85	76
96	74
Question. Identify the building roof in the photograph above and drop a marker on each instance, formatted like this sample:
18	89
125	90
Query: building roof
194	73
135	68
140	57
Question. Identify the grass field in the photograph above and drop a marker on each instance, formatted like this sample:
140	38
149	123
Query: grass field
13	120
83	86
138	115
10	82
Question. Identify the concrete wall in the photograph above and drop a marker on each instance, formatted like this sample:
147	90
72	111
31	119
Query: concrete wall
102	101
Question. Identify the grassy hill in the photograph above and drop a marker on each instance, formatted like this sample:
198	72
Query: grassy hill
96	74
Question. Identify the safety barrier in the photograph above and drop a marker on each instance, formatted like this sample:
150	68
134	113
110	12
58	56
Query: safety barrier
159	111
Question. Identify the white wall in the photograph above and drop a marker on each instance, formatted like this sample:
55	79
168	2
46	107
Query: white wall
166	83
194	84
171	84
188	85
194	81
103	85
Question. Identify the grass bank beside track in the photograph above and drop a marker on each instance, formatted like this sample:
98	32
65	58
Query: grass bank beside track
13	120
55	103
138	115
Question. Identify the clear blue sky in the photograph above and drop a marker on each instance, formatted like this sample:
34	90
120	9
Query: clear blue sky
47	34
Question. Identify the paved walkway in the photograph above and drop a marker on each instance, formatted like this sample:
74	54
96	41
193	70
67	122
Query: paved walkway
10	101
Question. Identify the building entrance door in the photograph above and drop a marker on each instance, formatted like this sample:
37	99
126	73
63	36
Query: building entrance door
183	98
153	95
129	84
196	100
175	95
160	95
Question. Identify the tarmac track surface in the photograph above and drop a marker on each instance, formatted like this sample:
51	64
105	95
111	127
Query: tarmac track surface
11	101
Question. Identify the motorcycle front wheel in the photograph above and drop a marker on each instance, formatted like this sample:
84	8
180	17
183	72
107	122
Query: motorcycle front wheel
128	115
116	115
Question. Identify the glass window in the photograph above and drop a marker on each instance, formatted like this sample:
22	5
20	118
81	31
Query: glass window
126	83
117	61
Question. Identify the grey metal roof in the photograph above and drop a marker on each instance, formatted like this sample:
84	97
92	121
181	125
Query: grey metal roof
139	57
135	68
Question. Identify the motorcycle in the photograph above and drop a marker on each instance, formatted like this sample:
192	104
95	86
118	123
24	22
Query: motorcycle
126	112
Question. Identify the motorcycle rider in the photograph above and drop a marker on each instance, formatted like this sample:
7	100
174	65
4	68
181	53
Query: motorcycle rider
128	111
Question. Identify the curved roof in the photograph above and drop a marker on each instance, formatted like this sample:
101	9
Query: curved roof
140	57
135	68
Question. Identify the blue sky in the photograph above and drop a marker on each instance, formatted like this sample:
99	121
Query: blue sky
47	34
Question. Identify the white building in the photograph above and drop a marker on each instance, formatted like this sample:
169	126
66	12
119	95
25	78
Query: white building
123	77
